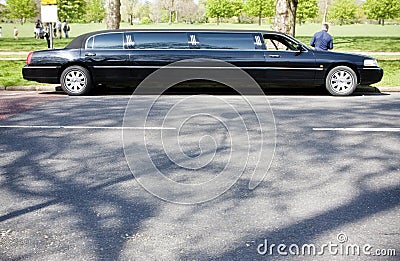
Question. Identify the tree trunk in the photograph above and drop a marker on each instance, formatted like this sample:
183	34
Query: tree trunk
281	16
171	13
113	14
325	12
285	16
292	16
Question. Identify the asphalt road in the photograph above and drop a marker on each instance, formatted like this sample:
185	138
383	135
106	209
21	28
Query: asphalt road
68	165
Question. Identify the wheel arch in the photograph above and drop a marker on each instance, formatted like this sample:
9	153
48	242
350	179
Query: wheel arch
65	66
350	65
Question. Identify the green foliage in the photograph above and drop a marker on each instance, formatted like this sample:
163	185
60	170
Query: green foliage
236	7
223	8
95	10
21	9
260	8
343	10
306	9
72	10
146	20
382	9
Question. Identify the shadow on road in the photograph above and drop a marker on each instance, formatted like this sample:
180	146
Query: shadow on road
221	90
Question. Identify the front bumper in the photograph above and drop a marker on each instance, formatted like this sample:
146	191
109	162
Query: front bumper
370	75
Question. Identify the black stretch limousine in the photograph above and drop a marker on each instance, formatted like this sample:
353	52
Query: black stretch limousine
125	56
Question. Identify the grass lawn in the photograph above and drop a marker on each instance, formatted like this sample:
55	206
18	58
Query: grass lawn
11	74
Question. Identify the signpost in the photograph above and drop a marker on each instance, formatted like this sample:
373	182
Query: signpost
49	15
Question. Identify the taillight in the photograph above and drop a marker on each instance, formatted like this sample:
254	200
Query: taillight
29	58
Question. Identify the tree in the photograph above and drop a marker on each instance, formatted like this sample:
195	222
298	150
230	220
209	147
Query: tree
113	14
382	9
170	6
222	9
260	8
72	10
236	8
188	10
21	9
129	9
343	10
306	9
95	11
285	16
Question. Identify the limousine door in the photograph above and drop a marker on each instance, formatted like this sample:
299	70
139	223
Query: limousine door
149	51
106	57
287	62
244	50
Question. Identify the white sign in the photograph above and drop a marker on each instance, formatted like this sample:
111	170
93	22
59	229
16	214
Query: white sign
49	13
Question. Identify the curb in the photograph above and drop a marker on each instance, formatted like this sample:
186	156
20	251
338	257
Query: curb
389	89
40	88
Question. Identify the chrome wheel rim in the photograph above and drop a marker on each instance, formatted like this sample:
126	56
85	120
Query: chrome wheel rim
342	81
75	81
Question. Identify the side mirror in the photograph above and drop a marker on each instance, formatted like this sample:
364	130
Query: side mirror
299	49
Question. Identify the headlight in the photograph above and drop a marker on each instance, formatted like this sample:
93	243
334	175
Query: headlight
370	62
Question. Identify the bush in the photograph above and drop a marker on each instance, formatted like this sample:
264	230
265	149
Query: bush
146	20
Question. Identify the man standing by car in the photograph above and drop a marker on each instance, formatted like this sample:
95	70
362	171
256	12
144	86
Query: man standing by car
322	41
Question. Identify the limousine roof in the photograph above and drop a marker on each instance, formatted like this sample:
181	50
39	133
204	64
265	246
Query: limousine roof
79	42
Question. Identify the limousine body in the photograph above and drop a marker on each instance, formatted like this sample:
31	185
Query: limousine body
126	56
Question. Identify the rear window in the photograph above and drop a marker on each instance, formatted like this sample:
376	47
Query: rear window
149	40
105	41
226	41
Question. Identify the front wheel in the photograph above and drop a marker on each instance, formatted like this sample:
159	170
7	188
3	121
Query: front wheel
76	80
341	81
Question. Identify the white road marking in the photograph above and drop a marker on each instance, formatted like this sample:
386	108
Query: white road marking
84	127
359	129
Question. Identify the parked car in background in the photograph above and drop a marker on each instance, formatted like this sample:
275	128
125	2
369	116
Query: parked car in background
128	56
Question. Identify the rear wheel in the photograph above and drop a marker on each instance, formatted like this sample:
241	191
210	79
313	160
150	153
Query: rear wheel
76	80
341	81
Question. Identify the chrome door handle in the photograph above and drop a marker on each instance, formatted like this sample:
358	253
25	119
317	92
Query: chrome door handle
90	54
274	56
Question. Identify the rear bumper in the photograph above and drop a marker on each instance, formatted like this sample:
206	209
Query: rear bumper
43	74
370	75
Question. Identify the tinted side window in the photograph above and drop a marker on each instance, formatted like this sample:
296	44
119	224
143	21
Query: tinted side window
279	43
226	41
108	41
89	43
151	40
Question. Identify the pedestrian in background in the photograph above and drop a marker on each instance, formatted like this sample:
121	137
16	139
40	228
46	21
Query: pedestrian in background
55	30
16	33
47	33
38	30
322	41
66	28
59	29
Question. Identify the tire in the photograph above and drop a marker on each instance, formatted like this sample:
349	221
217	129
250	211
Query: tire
76	80
341	81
